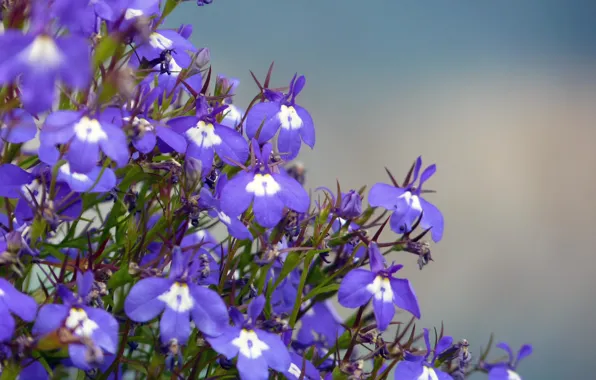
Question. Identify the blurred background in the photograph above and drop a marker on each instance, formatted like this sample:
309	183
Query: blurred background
501	96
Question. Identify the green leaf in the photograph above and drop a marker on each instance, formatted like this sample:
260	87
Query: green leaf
169	7
120	278
104	50
321	290
10	372
292	261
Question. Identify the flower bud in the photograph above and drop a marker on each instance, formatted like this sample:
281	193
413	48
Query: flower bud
193	170
202	58
351	205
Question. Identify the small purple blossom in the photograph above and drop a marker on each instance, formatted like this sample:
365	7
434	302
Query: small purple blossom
41	60
421	367
407	204
179	299
360	285
257	350
86	136
282	112
205	137
268	191
95	330
507	370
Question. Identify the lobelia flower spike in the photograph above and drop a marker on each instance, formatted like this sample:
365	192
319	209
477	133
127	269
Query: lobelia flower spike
15	302
257	350
407	204
507	370
179	299
420	367
268	191
90	331
282	111
205	137
360	285
41	59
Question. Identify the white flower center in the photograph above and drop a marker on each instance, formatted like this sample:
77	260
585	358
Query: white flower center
288	118
203	134
233	115
511	375
89	130
428	374
132	13
44	52
160	42
65	169
174	67
411	200
381	289
78	321
224	218
249	344
294	370
1	293
263	185
178	297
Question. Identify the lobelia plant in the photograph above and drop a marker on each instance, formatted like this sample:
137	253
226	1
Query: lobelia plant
109	269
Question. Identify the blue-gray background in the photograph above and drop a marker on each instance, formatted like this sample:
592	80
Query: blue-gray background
501	95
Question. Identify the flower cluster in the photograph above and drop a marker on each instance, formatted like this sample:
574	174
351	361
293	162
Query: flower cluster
107	257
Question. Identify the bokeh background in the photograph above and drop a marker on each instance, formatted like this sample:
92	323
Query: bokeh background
501	95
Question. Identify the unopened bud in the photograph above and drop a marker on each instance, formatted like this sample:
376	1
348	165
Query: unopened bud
351	205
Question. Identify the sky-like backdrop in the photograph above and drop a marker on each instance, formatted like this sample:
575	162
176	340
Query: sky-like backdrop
501	95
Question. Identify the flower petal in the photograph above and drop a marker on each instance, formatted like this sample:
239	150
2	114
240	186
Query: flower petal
209	313
384	195
266	114
352	290
49	318
142	304
404	296
234	197
174	325
432	218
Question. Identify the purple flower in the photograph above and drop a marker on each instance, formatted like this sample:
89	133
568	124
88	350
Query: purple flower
15	302
161	40
360	285
166	73
257	350
351	205
17	126
41	60
420	367
206	137
95	330
282	111
269	190
86	137
506	370
179	299
407	204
